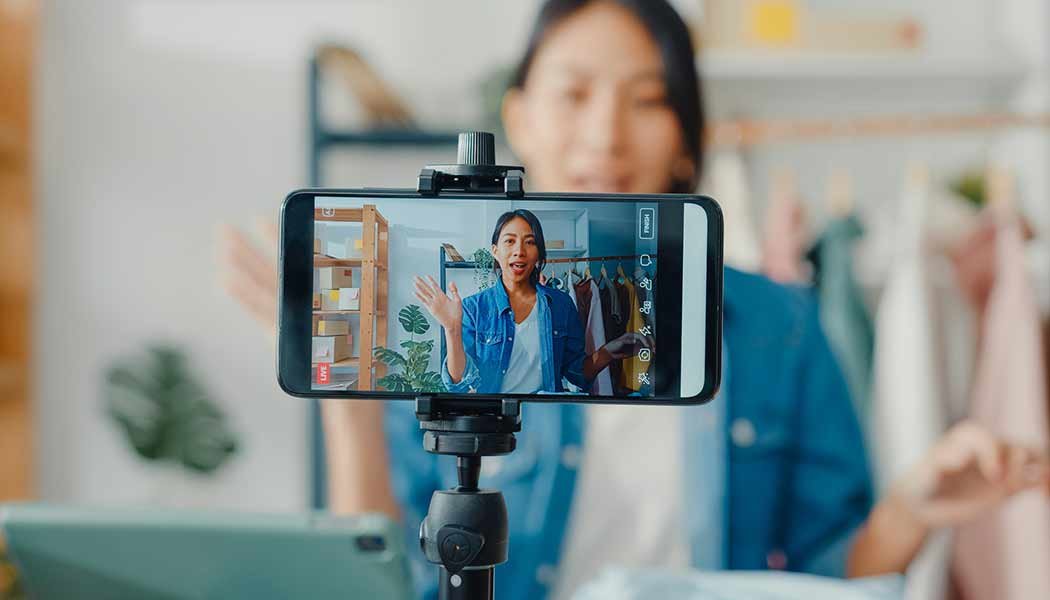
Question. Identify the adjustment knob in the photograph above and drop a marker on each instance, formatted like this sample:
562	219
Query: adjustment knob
476	148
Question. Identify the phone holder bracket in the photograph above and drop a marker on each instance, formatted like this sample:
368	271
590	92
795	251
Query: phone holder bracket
475	172
466	531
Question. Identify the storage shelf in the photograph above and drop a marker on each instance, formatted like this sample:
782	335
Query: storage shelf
378	313
802	67
386	137
328	261
566	252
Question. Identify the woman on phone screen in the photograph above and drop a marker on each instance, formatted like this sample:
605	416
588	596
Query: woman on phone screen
518	336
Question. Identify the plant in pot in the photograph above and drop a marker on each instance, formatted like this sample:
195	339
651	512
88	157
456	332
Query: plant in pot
165	413
413	364
484	268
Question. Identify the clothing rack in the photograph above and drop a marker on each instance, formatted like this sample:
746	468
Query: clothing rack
751	132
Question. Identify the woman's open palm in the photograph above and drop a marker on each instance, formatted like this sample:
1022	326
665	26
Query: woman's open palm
446	308
967	472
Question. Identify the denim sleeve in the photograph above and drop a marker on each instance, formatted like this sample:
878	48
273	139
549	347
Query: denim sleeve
471	375
572	359
831	485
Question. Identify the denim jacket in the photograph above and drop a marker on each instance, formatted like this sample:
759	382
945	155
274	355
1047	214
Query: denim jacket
796	480
488	338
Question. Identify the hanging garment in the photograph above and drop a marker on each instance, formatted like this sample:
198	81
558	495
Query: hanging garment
570	288
634	375
843	313
594	338
583	300
1005	554
907	414
785	233
726	181
613	317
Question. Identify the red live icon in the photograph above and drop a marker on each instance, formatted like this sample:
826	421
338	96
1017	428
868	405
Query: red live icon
324	372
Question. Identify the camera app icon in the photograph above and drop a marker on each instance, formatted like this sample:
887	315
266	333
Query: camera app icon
645	355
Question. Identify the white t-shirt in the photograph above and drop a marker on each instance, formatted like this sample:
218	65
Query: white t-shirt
524	373
627	509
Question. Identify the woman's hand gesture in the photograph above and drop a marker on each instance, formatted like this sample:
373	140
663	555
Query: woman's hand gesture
628	345
446	308
967	472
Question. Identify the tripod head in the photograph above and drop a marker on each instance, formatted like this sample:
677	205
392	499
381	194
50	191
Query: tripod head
465	530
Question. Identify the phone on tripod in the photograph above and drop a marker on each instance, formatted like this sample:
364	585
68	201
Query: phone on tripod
557	297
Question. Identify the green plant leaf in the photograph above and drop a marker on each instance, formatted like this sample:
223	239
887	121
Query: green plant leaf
431	382
389	357
412	319
395	382
165	412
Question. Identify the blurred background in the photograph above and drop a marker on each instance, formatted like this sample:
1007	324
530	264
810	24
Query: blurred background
131	130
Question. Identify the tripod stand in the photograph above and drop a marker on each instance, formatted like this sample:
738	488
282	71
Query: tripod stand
465	531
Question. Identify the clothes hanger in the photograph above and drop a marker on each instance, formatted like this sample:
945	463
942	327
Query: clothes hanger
620	272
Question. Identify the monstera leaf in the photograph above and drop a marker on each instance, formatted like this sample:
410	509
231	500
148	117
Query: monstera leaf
414	376
165	412
395	382
389	357
412	319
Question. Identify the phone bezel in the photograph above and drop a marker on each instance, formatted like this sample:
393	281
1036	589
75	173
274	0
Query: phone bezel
295	287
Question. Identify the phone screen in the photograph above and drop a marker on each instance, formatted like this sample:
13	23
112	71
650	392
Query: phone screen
504	297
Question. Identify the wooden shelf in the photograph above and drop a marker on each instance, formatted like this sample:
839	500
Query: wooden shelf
328	261
372	328
378	313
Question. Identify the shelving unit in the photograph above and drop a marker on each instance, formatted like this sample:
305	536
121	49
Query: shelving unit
375	289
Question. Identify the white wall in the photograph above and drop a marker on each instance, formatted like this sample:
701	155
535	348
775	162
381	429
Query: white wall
157	120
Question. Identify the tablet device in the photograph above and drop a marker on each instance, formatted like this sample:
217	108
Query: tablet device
96	554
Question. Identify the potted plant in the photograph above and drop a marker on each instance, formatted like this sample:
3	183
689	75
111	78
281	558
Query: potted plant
165	413
414	375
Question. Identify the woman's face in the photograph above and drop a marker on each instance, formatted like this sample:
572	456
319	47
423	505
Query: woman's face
593	115
516	251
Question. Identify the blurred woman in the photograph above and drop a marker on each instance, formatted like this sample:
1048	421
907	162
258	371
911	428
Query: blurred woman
771	474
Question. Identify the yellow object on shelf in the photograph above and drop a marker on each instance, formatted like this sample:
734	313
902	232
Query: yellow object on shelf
774	22
332	327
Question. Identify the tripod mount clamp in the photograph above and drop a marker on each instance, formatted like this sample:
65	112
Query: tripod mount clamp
476	170
466	531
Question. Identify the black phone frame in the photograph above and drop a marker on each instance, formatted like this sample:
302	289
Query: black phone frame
295	287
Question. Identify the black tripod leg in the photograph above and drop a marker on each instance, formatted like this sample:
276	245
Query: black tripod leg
473	584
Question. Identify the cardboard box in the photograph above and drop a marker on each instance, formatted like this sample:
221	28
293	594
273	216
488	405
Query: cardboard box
344	248
332	278
332	327
330	348
349	298
556	244
354	247
329	299
318	246
341	299
317	302
335	249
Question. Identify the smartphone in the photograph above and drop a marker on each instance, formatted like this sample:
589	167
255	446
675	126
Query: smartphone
387	294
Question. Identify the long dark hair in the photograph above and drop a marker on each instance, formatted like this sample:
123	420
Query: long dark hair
537	231
671	36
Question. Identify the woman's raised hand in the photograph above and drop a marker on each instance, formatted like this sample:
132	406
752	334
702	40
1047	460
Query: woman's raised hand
967	472
446	308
